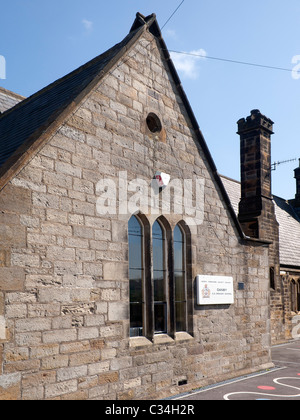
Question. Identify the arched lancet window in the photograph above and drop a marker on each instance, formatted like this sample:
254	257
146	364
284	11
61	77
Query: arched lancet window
180	279
136	276
160	278
295	296
159	253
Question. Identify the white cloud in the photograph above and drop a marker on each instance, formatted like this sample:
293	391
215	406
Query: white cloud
88	25
170	33
188	64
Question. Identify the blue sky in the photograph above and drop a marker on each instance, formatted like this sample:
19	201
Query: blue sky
44	40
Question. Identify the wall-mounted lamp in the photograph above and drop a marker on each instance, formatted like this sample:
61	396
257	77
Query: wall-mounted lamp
162	179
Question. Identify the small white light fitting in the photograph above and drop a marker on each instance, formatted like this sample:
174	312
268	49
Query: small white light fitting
162	179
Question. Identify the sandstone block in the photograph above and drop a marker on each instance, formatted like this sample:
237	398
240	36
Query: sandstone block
12	279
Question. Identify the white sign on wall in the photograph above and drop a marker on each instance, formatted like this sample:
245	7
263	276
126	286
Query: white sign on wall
214	290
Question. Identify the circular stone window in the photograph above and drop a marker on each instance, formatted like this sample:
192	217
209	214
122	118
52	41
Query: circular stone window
154	123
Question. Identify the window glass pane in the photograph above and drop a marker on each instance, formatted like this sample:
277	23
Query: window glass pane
159	278
136	286
178	256
180	308
178	249
136	275
160	310
159	289
136	314
135	238
158	247
178	236
180	280
157	231
179	286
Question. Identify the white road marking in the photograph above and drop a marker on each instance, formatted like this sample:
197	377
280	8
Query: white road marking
276	381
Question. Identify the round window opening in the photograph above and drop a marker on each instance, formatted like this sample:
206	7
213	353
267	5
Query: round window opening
154	123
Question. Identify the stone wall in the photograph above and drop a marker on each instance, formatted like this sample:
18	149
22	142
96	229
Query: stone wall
64	299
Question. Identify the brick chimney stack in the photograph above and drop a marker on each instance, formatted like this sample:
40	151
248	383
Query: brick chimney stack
256	210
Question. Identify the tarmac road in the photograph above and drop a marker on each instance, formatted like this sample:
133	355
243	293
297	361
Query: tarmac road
281	383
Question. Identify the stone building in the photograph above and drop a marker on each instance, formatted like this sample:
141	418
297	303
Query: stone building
124	270
8	99
271	218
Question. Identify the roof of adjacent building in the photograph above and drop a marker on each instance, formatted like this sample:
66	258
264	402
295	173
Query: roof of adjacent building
289	232
289	223
8	99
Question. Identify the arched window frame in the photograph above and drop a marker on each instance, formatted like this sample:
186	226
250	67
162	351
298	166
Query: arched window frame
295	295
188	283
180	279
168	279
149	330
146	280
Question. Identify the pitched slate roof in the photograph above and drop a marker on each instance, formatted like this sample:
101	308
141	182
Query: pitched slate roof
233	189
289	223
289	233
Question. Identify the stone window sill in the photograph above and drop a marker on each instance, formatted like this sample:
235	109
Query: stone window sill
135	342
183	336
158	339
162	339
